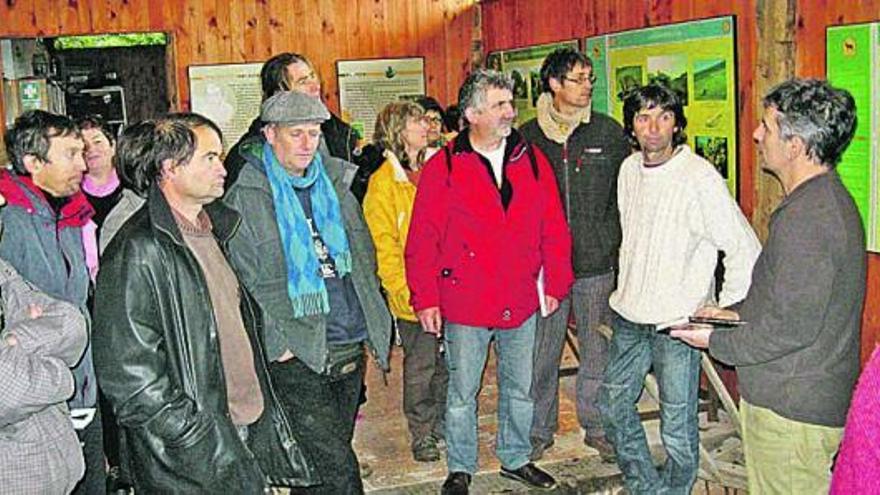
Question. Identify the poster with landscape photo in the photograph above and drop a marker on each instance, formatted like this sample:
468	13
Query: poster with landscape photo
710	80
697	60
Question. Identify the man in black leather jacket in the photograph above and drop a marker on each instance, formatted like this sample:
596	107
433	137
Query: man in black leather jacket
176	336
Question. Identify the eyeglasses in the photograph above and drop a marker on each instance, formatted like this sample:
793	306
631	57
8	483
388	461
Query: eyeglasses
581	80
432	120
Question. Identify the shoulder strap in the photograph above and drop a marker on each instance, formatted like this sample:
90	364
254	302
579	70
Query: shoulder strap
533	160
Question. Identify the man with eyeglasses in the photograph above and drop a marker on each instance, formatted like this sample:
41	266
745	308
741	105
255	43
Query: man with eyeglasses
585	149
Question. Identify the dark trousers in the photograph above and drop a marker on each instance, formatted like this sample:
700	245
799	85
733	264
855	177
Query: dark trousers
424	380
322	410
589	301
92	440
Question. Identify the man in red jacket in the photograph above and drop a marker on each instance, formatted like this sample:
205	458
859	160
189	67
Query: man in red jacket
487	244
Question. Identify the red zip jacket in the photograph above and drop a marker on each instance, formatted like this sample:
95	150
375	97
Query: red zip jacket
475	249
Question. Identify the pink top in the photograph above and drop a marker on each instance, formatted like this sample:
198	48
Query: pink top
89	186
90	230
857	470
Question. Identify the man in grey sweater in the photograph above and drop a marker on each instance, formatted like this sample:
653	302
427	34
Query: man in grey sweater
797	349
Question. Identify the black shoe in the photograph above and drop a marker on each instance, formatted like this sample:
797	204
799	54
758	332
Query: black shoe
606	450
425	449
456	484
115	484
538	448
531	475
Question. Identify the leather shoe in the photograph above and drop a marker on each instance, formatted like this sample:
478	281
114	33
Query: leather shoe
539	447
531	475
456	484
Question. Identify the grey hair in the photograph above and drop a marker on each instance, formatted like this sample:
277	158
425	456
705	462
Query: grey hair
822	116
473	91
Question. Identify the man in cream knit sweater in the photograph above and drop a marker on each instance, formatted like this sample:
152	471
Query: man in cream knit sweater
676	215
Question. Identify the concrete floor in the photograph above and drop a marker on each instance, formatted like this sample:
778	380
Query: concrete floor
382	443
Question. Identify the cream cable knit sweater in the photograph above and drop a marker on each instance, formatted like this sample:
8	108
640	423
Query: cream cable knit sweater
675	218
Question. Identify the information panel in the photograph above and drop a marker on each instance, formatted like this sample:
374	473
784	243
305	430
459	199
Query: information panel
853	64
523	65
228	94
366	86
697	60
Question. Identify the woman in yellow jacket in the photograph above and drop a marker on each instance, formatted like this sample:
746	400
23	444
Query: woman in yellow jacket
401	130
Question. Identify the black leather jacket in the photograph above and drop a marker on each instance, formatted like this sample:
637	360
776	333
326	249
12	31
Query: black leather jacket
158	362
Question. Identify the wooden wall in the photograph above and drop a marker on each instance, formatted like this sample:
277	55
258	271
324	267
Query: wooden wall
222	31
513	23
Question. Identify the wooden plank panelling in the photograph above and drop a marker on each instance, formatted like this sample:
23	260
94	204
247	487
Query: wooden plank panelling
513	23
219	31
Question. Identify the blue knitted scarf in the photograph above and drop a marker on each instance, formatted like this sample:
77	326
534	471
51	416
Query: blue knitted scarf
305	286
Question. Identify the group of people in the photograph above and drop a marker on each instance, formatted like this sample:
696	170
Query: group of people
217	310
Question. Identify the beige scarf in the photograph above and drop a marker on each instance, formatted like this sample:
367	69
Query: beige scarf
557	126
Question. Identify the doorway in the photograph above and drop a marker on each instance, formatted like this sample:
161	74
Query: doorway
123	78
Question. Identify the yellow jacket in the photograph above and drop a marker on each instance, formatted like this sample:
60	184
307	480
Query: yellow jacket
388	209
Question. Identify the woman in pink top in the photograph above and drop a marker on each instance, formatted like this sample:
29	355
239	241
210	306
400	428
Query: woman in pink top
857	469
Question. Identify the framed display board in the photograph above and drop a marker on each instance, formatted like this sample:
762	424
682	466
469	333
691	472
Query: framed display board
523	65
853	63
697	60
228	94
366	86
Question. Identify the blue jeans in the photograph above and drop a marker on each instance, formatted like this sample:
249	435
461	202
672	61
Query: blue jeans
634	350
466	351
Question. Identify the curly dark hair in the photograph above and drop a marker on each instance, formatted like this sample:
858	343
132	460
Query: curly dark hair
144	147
31	133
559	63
653	96
95	121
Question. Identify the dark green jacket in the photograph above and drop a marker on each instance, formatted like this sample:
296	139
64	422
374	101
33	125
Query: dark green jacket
586	172
256	253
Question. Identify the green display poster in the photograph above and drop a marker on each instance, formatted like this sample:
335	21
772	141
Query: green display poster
697	60
853	64
524	67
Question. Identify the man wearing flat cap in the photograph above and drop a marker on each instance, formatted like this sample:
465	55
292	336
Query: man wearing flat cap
304	252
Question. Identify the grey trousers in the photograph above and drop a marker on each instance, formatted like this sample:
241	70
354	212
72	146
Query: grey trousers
589	301
424	380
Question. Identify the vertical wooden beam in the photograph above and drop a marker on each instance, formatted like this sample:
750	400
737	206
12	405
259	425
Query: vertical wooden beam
776	63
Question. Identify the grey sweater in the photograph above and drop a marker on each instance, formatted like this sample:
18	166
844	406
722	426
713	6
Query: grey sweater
799	353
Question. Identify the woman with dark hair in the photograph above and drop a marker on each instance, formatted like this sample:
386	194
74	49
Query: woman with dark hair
103	190
402	132
434	118
100	183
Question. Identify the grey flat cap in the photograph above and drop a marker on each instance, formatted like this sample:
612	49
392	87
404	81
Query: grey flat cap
292	107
